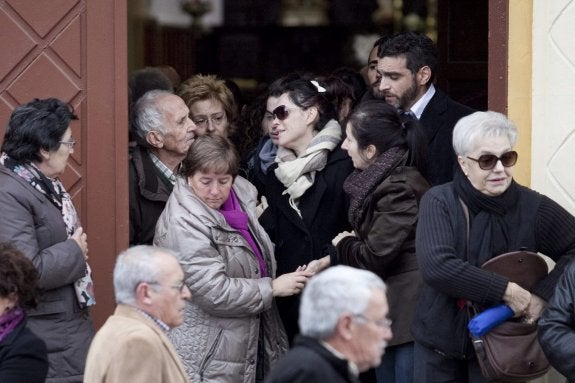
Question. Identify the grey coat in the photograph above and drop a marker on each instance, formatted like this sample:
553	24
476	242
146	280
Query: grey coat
36	227
231	302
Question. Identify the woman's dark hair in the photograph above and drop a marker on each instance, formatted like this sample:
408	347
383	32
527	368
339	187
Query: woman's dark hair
250	130
211	153
354	79
374	122
337	91
39	124
306	95
18	275
279	86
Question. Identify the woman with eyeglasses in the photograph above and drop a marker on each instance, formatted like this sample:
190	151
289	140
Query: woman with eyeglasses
212	105
304	188
232	331
39	218
481	214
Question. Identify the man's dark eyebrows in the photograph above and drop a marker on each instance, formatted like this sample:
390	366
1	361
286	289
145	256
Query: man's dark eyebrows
385	73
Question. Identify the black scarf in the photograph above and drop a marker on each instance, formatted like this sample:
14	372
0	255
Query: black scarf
361	182
490	223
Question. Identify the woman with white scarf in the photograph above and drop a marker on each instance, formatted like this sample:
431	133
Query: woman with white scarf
307	204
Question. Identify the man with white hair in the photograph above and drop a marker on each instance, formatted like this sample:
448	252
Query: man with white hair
343	328
132	346
165	132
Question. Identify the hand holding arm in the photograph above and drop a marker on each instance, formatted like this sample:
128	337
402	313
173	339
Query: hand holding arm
318	265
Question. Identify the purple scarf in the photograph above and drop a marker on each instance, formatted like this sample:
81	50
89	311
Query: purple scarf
9	321
237	219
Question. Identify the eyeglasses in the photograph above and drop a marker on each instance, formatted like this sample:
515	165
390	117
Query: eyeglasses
381	323
203	121
281	112
489	161
70	143
180	286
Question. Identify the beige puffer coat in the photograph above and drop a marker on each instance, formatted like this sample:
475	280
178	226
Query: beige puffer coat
218	341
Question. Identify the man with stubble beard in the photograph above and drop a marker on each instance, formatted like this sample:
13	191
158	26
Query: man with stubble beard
407	64
373	77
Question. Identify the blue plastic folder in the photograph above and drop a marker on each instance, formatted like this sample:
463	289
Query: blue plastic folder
484	322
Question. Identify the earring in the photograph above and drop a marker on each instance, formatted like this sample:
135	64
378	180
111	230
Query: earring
466	175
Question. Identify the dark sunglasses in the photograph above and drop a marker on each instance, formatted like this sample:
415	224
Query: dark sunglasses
488	161
281	112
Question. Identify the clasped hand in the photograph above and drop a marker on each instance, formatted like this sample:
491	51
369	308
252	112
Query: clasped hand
291	283
523	303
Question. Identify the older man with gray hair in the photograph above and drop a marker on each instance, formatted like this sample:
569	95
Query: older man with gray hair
344	328
132	346
165	132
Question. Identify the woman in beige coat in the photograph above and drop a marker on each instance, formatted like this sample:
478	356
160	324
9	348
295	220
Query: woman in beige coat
232	331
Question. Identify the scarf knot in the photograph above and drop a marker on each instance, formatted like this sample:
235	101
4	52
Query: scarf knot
297	174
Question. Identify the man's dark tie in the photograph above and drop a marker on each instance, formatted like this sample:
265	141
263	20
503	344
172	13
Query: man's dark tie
407	116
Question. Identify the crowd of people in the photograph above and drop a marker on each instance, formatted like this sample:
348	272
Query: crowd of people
296	238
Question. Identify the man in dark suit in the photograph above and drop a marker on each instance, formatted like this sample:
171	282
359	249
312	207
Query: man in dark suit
407	63
344	329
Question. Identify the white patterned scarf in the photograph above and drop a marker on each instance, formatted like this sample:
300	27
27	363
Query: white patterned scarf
297	174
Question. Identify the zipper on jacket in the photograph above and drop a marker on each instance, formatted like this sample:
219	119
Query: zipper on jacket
210	354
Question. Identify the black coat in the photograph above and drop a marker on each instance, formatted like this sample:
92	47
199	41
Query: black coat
300	240
309	362
23	357
438	119
557	326
149	192
449	275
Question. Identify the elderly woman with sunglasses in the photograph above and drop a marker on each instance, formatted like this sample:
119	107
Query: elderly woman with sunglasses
232	331
304	188
462	224
39	218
